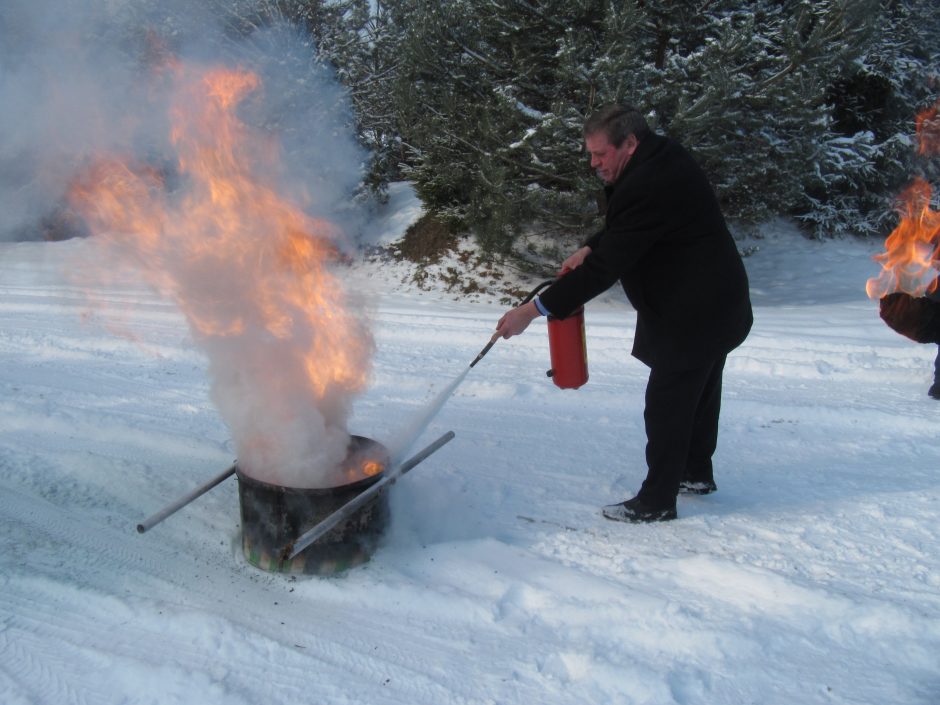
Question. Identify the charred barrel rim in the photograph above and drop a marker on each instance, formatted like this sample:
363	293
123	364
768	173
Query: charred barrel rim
273	516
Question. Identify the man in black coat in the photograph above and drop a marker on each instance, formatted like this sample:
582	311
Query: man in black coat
666	241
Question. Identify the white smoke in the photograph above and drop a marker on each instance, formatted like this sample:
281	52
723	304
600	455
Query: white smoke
74	83
77	81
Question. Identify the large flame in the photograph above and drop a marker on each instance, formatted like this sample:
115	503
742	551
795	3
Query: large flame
249	269
912	250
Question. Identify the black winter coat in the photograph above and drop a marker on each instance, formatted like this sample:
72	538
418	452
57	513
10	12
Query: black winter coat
666	240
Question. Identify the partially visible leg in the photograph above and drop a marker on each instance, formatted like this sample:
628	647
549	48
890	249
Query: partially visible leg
698	477
675	424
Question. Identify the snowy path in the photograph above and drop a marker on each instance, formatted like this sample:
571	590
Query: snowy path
812	576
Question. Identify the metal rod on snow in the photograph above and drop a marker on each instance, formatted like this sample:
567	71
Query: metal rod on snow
182	502
344	512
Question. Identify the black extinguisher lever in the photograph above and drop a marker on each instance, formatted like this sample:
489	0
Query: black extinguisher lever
531	294
527	299
566	344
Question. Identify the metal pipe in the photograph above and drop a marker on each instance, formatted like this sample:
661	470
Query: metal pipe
344	512
182	502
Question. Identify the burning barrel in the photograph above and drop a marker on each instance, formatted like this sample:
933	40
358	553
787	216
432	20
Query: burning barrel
274	516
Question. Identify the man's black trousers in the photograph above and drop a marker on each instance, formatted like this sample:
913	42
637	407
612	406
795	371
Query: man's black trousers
681	416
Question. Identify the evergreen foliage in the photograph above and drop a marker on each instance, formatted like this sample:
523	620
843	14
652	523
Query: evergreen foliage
867	155
488	115
793	107
363	42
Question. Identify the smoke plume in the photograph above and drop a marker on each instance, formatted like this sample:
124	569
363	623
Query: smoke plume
209	149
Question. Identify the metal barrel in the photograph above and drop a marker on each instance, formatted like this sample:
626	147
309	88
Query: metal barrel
304	540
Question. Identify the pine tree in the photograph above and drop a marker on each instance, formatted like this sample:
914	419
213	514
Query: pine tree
487	116
792	106
743	85
867	155
361	40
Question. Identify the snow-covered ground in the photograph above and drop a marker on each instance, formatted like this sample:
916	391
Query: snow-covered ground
812	576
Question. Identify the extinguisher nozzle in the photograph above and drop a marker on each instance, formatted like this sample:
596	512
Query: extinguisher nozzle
549	373
485	349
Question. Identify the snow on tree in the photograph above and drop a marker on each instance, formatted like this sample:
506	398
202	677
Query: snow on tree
770	95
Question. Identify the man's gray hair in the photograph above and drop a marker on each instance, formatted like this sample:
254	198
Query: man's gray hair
617	122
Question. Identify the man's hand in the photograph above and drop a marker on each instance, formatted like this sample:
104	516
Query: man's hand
516	320
574	261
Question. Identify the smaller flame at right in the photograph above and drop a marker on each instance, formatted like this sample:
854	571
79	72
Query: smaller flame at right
912	250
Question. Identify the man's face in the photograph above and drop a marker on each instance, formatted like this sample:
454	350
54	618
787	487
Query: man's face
608	161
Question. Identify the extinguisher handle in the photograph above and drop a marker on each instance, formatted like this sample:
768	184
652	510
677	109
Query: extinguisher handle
527	299
531	294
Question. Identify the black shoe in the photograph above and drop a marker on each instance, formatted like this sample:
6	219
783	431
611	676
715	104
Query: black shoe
636	512
697	487
934	391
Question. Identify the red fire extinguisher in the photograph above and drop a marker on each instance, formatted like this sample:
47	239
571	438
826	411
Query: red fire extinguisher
567	347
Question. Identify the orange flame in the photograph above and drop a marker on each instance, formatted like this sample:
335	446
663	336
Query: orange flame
912	250
238	258
361	471
372	468
928	130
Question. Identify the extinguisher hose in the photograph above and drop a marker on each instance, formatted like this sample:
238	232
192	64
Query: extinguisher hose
527	299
